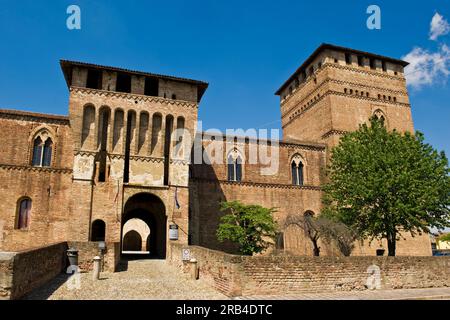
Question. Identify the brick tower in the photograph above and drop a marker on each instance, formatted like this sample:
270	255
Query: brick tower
338	88
129	151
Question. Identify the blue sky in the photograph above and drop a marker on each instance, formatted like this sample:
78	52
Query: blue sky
244	49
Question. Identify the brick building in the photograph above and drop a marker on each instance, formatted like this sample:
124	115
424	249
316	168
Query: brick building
127	150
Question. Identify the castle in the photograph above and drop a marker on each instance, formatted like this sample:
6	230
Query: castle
124	154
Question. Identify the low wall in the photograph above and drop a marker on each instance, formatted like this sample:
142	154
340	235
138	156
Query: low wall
24	271
282	274
88	250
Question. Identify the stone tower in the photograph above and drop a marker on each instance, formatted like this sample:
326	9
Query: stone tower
338	88
131	135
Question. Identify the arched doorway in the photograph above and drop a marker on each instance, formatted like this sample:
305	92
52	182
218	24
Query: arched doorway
151	210
98	230
132	230
132	241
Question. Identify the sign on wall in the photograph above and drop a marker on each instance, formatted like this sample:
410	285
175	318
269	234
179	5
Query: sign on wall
173	232
186	254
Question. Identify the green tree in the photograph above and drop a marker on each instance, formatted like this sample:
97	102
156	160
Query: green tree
444	237
383	183
250	226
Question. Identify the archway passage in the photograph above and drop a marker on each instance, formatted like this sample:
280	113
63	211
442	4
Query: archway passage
151	210
133	230
132	241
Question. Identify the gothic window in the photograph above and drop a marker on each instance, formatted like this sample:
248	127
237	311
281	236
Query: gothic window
234	164
42	150
37	151
297	171
47	157
23	214
379	115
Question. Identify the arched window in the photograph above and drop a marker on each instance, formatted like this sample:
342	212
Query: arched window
47	158
234	163
37	151
23	214
379	115
42	150
98	230
297	168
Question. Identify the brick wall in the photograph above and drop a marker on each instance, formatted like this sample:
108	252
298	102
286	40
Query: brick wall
22	272
221	269
281	274
88	250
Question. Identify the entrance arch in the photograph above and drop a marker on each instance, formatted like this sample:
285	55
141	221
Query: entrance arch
150	209
132	241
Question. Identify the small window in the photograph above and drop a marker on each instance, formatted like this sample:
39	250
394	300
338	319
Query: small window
123	83
348	58
94	79
372	64
351	91
151	87
23	214
335	60
383	65
395	99
174	97
395	72
345	90
360	61
367	94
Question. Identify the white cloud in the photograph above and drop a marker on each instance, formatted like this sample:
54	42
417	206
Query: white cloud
439	26
427	67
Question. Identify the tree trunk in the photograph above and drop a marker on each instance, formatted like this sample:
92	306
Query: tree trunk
391	240
316	248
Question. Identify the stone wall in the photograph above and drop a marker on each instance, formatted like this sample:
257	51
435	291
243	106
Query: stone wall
282	274
223	270
88	250
24	271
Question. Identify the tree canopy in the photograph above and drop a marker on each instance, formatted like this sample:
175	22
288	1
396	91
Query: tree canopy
252	227
383	183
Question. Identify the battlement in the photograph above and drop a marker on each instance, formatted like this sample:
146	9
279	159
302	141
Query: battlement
92	76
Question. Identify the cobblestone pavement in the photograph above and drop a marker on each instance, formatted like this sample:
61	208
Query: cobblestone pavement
142	279
398	294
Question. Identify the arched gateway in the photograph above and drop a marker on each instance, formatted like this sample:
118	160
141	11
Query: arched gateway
150	209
